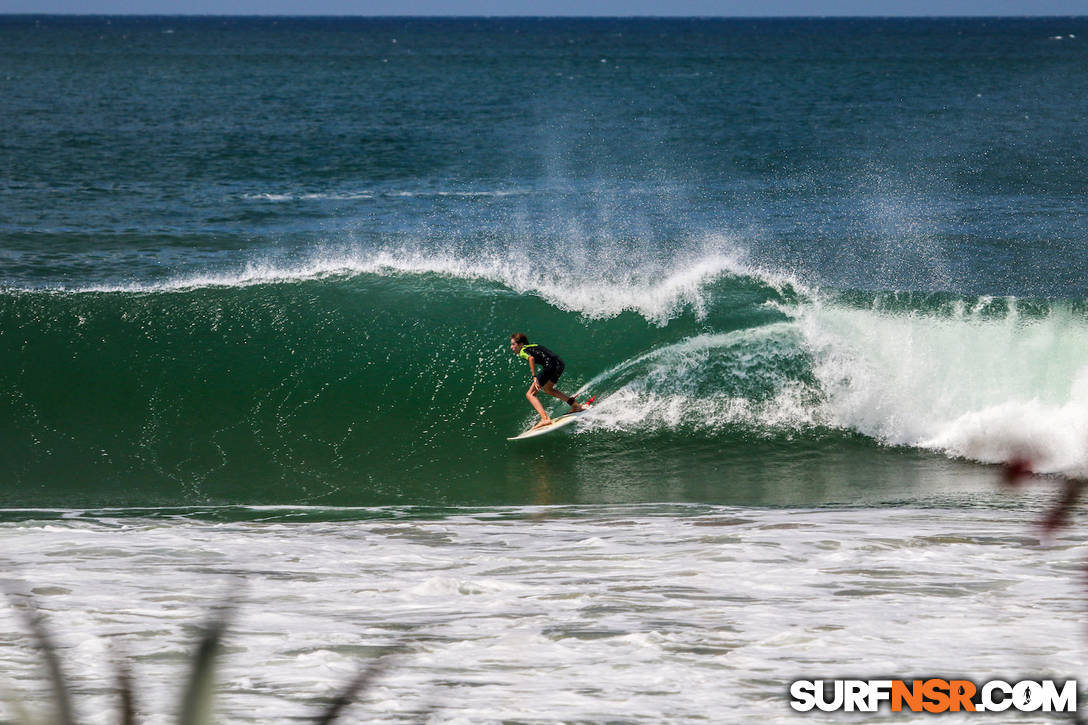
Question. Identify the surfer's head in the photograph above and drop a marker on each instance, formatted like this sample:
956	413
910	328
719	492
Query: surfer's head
517	341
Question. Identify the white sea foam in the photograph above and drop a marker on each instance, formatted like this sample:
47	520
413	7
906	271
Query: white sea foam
1052	437
586	614
989	389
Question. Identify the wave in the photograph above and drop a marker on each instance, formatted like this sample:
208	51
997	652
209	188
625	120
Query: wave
289	383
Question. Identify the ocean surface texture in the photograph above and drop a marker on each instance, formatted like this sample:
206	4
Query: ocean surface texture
257	283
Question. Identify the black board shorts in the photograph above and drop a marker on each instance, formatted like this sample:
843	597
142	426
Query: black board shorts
550	373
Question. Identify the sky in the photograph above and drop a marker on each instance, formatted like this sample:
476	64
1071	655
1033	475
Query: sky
723	8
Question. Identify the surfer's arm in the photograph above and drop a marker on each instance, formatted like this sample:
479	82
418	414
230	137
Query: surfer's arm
532	374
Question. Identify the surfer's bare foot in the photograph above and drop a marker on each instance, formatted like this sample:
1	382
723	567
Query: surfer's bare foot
577	408
542	423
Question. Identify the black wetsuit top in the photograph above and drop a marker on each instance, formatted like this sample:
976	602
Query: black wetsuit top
551	365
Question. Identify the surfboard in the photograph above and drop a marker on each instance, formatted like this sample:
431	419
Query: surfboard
560	421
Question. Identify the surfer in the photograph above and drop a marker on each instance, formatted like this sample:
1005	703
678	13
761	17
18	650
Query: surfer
551	367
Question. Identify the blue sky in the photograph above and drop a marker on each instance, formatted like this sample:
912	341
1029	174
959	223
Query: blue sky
554	7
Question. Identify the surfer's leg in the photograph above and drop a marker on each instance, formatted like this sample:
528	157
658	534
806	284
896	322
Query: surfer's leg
551	377
549	388
535	401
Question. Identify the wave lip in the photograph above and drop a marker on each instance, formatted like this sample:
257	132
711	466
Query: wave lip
596	286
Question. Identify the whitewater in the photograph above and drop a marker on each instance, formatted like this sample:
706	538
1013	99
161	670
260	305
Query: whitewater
636	614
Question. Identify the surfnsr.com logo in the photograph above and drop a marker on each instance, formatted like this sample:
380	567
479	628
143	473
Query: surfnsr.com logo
934	695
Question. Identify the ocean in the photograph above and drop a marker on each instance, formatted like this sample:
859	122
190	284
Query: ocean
258	278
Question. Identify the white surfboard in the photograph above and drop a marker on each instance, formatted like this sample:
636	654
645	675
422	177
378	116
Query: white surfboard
560	421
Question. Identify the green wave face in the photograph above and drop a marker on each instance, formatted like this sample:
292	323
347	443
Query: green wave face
398	388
